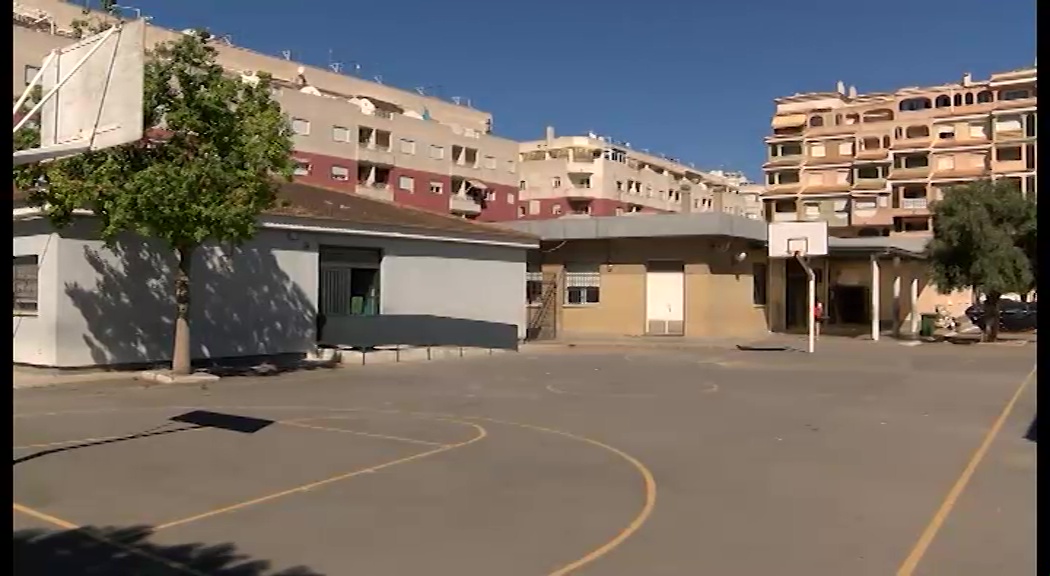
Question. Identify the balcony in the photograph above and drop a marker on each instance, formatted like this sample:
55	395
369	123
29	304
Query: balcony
868	213
782	161
784	188
582	168
375	154
376	190
913	203
463	204
909	172
869	184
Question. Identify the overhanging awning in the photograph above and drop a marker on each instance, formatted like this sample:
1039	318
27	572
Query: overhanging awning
789	121
477	185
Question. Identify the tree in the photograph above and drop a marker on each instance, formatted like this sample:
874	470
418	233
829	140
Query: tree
214	151
984	238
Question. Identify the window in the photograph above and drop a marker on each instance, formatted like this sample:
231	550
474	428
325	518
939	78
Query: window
556	209
943	101
436	188
522	185
817	151
1010	154
521	211
556	182
1011	95
30	73
816	121
437	152
619	185
584	182
968	98
758	288
582	284
490	162
978	131
534	207
846	149
340	134
349	283
510	198
302	168
957	100
300	126
26	274
340	173
984	97
511	168
946	132
408	146
406	183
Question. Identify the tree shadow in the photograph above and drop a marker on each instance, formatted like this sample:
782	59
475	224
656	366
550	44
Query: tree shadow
244	305
127	551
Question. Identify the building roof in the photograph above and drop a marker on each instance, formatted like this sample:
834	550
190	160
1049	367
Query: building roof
700	224
343	210
305	201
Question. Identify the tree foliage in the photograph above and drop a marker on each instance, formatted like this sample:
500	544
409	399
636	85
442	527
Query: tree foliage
210	162
984	238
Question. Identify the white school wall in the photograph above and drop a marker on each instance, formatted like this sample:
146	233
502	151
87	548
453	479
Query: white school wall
101	306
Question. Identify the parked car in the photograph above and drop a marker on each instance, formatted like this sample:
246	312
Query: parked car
1014	316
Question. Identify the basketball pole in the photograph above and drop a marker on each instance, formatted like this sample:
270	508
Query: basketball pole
811	298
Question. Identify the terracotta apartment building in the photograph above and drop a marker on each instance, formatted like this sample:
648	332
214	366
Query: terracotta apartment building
871	164
351	134
591	175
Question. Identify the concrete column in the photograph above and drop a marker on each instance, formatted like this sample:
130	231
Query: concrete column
896	297
875	297
914	297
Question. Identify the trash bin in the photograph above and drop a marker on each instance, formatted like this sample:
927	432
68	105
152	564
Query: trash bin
929	322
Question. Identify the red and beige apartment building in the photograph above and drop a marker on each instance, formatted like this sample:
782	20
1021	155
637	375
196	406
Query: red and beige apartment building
871	164
350	134
573	176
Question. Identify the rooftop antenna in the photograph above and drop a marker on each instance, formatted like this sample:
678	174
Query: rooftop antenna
421	90
334	66
286	54
378	78
455	100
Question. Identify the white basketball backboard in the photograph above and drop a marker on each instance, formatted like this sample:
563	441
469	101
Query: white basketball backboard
805	238
92	94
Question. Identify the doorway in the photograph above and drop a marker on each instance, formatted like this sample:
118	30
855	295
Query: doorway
665	298
850	305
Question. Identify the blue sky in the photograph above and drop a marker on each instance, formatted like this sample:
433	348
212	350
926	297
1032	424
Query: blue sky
694	80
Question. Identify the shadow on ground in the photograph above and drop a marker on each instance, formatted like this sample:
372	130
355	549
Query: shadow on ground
128	552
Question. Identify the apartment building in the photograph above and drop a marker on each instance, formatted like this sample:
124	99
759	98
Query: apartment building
591	175
351	134
871	164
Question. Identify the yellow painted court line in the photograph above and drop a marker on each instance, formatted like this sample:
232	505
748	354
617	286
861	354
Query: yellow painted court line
314	485
635	524
104	540
299	424
919	550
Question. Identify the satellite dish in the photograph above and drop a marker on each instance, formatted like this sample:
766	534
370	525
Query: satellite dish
310	90
300	70
413	114
366	106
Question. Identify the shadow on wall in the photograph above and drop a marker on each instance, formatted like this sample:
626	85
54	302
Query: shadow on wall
243	304
92	550
418	330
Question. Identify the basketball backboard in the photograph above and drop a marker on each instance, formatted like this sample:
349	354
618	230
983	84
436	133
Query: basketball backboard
785	239
92	93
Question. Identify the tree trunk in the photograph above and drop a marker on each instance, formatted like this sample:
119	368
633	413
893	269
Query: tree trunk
180	356
991	316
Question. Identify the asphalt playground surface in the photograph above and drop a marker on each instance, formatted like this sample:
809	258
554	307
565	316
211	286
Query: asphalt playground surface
622	460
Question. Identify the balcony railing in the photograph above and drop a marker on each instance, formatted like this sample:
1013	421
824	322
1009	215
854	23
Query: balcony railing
914	203
463	204
377	190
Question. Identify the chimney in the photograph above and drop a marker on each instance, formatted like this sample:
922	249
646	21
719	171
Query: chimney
852	91
550	134
840	87
967	79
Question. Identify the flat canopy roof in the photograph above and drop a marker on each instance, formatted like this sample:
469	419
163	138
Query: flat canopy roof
699	224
